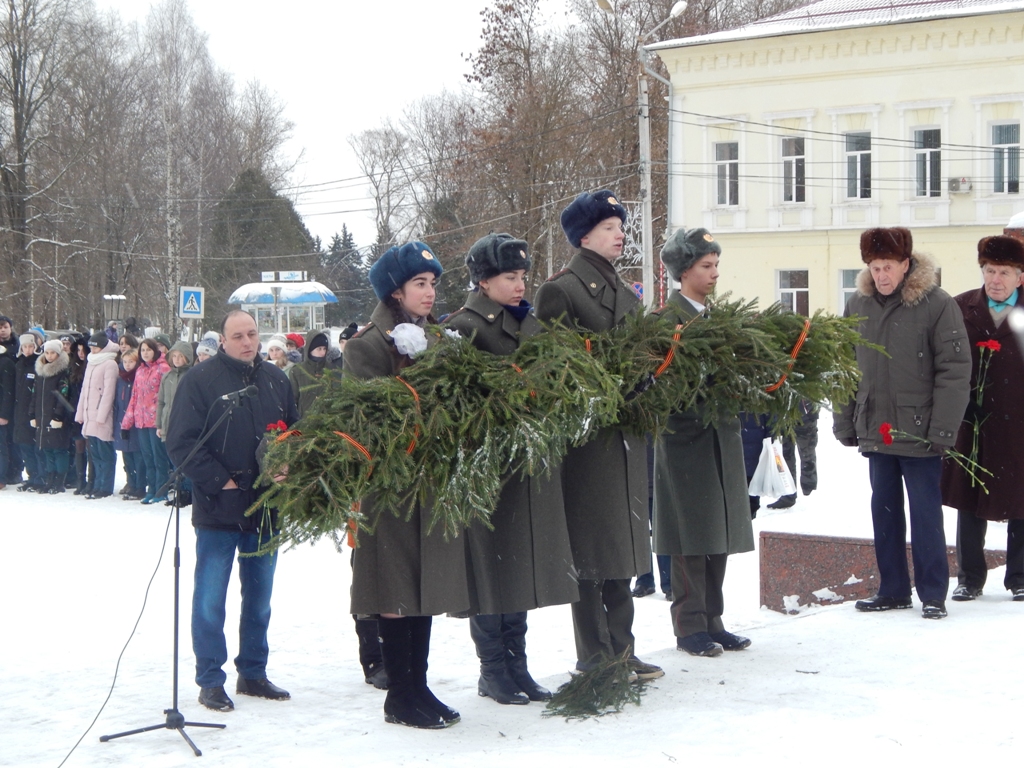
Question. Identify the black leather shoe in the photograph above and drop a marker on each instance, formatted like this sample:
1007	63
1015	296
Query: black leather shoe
729	641
699	644
882	603
262	688
496	684
965	592
933	609
376	676
784	502
216	699
1017	594
642	591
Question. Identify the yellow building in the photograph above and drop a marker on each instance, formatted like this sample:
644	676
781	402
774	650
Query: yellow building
791	135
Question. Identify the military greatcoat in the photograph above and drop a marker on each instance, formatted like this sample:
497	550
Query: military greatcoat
525	562
400	568
605	481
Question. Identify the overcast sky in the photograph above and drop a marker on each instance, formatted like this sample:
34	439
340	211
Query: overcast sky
340	66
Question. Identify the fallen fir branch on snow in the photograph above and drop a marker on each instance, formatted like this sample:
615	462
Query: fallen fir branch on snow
605	689
453	425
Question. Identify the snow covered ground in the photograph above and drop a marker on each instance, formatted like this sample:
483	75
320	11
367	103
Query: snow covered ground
829	685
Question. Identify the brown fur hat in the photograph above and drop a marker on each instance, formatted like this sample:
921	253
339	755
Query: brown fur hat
1001	250
886	243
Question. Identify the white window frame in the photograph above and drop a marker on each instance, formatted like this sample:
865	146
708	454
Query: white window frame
860	158
1002	175
731	180
846	291
794	169
931	180
792	302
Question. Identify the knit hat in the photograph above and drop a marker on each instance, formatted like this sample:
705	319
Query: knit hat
350	330
296	339
6	319
493	254
40	337
162	338
98	339
685	248
206	346
402	263
53	345
320	340
587	211
30	338
276	342
1002	251
886	243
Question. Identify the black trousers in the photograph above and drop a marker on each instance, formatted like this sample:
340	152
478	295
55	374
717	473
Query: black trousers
807	443
970	551
602	620
697	588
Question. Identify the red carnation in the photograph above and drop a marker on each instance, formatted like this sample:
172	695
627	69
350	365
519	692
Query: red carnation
885	430
280	426
991	344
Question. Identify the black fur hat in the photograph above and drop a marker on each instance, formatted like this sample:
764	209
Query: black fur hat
1001	250
685	248
886	243
587	211
493	254
401	263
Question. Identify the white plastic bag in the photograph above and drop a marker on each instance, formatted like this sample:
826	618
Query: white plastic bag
772	477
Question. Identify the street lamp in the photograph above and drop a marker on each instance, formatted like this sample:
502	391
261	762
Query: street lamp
644	124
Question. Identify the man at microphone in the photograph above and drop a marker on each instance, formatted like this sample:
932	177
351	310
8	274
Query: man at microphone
224	472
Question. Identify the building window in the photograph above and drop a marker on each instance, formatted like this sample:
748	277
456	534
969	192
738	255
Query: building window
847	285
858	165
1006	158
928	162
727	165
793	180
793	290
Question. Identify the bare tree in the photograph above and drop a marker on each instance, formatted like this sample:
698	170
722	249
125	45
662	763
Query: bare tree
382	154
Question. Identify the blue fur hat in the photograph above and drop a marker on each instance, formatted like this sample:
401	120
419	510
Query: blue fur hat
399	264
587	211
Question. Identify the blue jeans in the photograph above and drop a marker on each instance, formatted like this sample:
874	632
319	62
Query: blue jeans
103	459
34	461
132	472
154	456
56	461
928	537
215	555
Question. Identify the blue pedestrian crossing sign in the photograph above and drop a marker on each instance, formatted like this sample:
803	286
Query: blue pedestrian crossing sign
191	305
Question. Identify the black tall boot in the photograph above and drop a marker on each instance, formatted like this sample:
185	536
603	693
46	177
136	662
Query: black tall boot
56	483
81	465
495	680
513	636
420	629
403	705
369	652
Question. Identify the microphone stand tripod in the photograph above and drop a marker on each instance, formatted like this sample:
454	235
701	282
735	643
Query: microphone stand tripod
175	721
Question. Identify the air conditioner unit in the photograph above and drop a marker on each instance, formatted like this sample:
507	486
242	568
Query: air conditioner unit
960	184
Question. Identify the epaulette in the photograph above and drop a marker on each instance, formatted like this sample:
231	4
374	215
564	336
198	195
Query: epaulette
458	311
557	274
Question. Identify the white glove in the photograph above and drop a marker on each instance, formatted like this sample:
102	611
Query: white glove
32	423
409	339
54	424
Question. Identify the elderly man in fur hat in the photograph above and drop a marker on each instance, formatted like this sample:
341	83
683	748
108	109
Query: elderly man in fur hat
995	412
701	510
919	388
605	485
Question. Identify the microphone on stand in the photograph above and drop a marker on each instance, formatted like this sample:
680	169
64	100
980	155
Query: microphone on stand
234	397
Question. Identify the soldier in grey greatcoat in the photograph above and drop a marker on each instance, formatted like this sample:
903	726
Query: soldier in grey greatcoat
525	562
701	510
399	571
605	485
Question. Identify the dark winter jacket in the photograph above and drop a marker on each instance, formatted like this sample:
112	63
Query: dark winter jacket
1001	444
921	386
24	381
525	562
700	484
605	487
123	395
306	377
169	386
7	389
230	453
53	419
400	568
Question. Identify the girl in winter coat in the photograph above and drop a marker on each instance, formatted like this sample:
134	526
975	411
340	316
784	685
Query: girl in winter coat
134	469
49	412
277	353
83	472
525	561
95	412
400	571
24	431
180	359
141	415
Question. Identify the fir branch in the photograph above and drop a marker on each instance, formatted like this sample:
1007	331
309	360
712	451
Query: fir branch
602	690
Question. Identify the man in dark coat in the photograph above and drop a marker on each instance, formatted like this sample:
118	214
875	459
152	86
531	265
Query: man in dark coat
919	388
10	461
605	487
224	472
701	509
995	412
